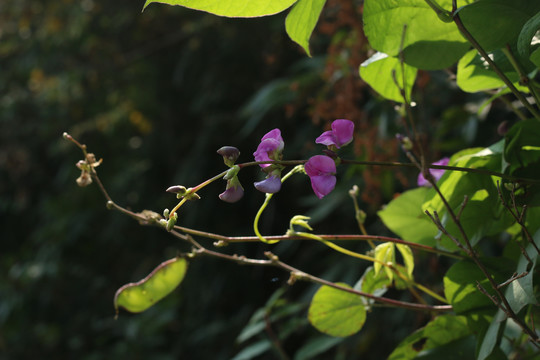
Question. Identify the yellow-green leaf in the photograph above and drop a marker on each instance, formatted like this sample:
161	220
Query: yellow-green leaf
385	253
336	312
231	8
301	21
139	296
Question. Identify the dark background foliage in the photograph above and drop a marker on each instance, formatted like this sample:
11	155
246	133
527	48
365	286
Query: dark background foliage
154	95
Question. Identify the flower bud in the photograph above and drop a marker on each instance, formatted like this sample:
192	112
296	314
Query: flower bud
177	189
230	154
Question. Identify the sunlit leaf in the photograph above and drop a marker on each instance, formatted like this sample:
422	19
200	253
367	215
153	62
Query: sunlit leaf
234	8
336	312
408	258
139	296
385	253
429	44
382	72
404	216
474	74
301	21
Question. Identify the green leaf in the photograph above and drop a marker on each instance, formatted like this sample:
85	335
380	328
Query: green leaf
232	8
378	71
372	283
492	336
526	36
460	283
429	42
404	216
408	258
535	58
520	292
385	253
301	21
443	330
474	74
519	152
495	23
139	296
336	312
483	215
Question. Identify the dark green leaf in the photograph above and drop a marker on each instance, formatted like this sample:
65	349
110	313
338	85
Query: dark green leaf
495	23
443	330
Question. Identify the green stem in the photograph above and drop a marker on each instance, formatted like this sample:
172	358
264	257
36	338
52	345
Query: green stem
297	168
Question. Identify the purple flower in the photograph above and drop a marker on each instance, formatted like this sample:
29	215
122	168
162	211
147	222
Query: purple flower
321	170
270	147
340	135
436	173
270	185
233	192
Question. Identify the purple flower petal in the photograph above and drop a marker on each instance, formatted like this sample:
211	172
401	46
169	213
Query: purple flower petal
343	130
323	185
321	170
271	143
340	135
270	185
436	173
232	194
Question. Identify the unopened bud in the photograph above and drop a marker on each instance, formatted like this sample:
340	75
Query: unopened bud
230	154
177	189
170	223
166	213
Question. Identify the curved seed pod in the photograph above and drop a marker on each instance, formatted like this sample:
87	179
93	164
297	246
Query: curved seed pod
139	296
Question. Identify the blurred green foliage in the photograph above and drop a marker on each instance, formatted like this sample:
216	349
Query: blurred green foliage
155	95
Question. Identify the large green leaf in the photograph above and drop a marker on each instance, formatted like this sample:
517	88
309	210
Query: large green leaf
460	283
232	8
404	217
474	74
448	333
380	70
429	42
495	23
139	296
483	215
301	21
336	312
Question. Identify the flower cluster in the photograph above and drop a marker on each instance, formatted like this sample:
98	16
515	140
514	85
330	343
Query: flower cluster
321	169
270	148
